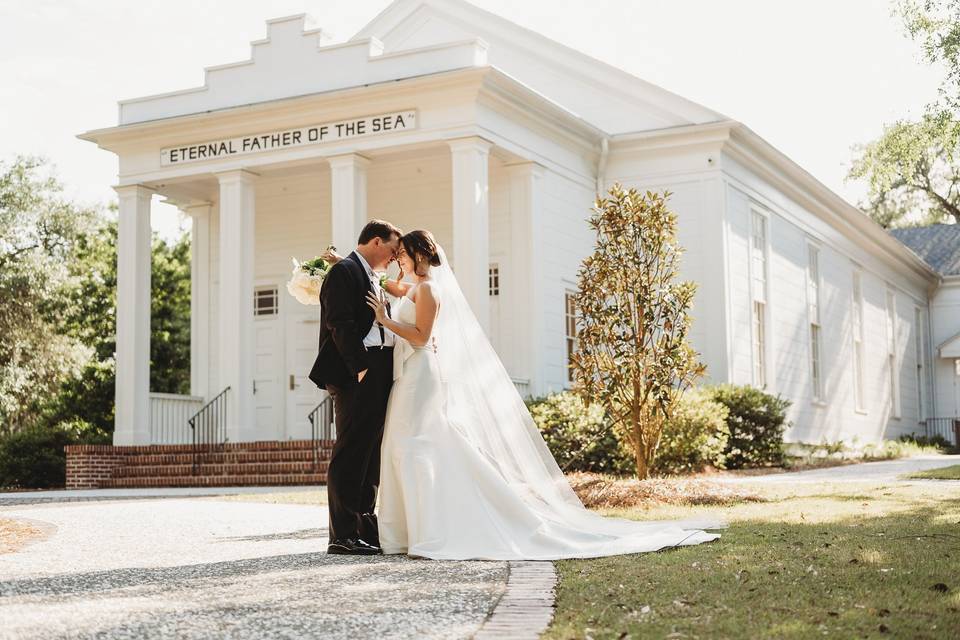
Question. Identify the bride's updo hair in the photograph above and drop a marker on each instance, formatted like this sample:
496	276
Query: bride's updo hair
422	249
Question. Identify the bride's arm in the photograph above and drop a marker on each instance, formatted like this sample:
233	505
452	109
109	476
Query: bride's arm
397	288
416	334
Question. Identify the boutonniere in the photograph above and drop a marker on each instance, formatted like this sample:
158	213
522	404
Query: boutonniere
383	280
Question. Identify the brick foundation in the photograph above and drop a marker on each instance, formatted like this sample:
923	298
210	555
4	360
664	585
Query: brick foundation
288	462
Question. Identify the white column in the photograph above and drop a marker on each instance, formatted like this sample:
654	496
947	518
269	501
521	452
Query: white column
236	302
471	222
524	285
132	415
348	196
199	298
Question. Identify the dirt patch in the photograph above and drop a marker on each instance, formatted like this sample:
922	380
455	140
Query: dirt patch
597	491
16	534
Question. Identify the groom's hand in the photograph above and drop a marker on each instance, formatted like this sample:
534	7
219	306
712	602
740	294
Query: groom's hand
360	375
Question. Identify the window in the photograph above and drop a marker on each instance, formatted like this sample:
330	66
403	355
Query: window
266	301
918	345
892	354
758	292
858	340
570	315
493	279
813	314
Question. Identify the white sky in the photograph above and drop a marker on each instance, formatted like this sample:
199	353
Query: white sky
812	78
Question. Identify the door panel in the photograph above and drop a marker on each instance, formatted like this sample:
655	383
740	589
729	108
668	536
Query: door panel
266	378
304	394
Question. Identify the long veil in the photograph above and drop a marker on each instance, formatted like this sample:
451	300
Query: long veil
483	403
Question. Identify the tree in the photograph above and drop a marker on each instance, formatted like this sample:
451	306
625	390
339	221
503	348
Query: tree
913	168
632	353
936	25
91	318
58	278
39	238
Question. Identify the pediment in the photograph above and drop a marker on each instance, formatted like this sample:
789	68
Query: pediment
950	348
607	97
292	61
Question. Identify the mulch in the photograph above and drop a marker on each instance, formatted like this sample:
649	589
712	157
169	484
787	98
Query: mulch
599	491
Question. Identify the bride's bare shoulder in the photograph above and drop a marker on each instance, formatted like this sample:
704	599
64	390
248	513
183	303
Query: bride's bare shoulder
428	289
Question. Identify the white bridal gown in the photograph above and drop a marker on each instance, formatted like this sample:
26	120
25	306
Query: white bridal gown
441	497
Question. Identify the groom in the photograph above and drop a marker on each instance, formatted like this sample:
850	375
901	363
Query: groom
355	365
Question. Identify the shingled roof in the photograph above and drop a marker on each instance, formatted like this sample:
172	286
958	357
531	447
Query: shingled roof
937	244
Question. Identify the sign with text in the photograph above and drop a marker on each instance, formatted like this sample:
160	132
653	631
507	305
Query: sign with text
315	134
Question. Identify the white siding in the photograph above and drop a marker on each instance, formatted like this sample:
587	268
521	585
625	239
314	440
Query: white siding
791	228
944	323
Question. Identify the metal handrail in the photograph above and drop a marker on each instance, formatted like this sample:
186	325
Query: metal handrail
209	425
321	426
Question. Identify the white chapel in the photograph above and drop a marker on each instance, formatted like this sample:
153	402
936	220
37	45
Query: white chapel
440	115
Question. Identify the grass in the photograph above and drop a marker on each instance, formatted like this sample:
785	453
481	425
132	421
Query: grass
844	560
944	473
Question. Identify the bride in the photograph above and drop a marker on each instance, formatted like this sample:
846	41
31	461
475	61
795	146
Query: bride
465	473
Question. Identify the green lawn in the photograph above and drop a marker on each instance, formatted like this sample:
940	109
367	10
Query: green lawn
843	561
944	473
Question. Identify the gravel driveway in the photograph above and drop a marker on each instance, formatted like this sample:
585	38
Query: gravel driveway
189	567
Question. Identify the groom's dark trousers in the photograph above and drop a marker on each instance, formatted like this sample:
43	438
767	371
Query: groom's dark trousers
359	408
354	472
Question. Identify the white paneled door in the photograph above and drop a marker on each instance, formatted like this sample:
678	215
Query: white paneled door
267	373
302	395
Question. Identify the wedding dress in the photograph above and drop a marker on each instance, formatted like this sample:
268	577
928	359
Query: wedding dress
465	473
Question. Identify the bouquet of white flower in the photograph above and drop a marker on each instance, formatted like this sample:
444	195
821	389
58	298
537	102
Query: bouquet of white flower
304	284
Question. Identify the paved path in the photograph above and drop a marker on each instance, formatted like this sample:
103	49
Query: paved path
883	471
187	567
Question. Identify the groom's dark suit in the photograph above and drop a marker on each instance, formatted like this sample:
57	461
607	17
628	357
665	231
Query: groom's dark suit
359	407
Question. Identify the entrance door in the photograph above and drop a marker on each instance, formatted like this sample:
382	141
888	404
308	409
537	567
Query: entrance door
302	394
267	368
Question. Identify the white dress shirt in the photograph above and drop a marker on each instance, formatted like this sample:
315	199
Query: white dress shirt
372	339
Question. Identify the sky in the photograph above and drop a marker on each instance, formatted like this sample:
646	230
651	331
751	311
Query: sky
812	78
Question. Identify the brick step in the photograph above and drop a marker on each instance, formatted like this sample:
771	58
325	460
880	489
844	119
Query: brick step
267	479
261	445
204	469
224	457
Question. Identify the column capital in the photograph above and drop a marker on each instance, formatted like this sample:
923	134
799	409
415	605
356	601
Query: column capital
236	175
138	190
194	209
525	167
349	160
470	143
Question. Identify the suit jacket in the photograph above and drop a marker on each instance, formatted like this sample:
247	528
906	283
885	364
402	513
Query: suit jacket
345	318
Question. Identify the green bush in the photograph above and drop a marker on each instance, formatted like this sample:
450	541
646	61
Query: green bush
579	437
34	458
696	435
756	421
936	440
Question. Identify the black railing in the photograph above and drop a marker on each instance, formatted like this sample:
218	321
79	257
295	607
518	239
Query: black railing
321	426
948	428
209	426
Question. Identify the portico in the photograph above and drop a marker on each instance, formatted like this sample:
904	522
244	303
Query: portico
445	145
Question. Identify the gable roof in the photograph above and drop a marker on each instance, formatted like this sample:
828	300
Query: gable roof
609	98
937	244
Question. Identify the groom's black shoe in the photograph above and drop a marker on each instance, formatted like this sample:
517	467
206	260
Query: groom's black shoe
353	547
